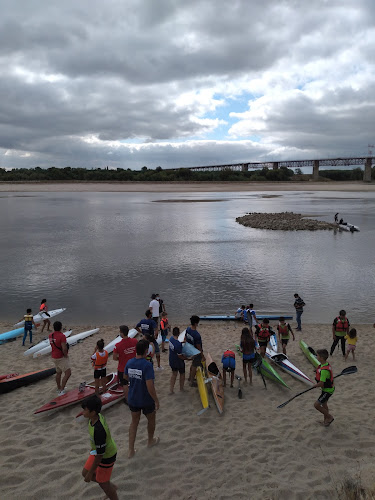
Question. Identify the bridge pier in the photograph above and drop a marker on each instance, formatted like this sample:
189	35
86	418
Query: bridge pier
275	165
316	170
367	172
245	167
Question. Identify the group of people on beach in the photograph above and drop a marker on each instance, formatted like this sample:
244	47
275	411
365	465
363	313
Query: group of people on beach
136	371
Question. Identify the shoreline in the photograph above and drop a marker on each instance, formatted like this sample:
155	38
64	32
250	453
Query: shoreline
183	187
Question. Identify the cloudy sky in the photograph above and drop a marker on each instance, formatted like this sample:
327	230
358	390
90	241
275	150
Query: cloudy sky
128	83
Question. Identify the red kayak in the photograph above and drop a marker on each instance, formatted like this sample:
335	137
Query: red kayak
76	395
110	397
14	380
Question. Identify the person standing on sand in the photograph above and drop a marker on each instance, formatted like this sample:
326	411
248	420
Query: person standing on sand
263	333
340	328
142	395
161	304
60	356
43	310
28	327
247	346
154	308
148	327
193	337
324	379
284	330
252	317
176	360
336	217
123	351
102	458
352	340
298	304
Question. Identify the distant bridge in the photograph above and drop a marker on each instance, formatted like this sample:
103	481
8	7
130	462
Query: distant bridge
366	162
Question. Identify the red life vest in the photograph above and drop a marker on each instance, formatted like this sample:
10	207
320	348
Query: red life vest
283	329
163	323
341	326
328	383
229	354
100	361
43	308
264	332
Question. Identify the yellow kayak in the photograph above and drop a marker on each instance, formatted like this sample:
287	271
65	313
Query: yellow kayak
203	393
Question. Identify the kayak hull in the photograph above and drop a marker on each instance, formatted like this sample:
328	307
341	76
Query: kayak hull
112	396
202	388
309	355
42	316
12	334
109	347
232	317
14	380
217	387
72	341
75	396
44	343
284	363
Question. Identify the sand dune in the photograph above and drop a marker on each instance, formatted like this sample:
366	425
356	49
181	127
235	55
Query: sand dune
253	450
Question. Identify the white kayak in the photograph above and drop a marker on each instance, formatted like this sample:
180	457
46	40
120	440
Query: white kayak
181	337
109	347
44	343
282	360
348	227
72	341
41	316
273	342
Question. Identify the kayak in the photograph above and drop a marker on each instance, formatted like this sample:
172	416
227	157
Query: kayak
109	347
14	380
216	383
41	316
309	353
72	341
76	395
12	334
349	227
230	317
44	343
202	388
267	370
273	342
112	396
282	360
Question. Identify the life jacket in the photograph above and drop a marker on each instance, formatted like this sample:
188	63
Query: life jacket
283	329
163	323
100	361
28	318
264	332
328	384
43	308
341	326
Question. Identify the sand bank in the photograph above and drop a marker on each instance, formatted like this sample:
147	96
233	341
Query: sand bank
182	187
253	450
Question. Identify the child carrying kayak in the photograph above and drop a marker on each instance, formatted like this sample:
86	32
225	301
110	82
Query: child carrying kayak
284	330
99	361
351	339
324	379
29	322
102	458
247	346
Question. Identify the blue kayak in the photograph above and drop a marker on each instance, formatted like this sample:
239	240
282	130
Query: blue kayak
230	317
12	334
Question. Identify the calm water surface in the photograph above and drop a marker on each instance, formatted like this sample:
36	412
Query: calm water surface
101	255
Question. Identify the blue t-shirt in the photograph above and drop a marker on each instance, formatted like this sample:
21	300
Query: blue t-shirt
245	315
148	327
175	348
139	370
193	337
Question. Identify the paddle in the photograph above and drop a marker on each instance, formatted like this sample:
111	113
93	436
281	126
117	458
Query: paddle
346	371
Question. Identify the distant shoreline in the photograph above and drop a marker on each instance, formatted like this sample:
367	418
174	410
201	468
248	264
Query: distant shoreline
182	187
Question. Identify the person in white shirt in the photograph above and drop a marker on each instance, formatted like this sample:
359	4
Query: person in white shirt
251	316
154	308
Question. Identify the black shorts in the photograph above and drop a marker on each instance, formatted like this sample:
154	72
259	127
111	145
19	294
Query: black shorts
146	411
229	369
180	369
262	343
121	379
197	360
100	373
284	341
324	397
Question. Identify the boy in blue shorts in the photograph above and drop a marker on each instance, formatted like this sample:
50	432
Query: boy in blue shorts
176	360
142	395
102	458
229	365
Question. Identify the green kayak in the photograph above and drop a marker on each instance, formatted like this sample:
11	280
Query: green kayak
267	370
309	353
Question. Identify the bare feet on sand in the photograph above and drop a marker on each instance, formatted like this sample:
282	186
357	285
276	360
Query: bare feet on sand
154	442
132	453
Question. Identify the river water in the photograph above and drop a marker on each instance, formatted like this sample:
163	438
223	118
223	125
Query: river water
101	255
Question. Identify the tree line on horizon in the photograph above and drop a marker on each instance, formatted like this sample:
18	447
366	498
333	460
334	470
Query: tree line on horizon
39	174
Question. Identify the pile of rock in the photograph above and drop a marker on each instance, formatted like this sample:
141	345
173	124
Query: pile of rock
284	221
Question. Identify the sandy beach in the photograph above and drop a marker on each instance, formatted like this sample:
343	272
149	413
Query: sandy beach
253	450
184	187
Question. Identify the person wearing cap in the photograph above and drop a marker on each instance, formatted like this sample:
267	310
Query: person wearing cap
154	308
